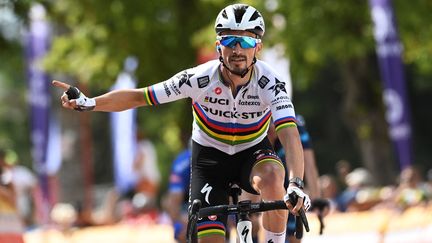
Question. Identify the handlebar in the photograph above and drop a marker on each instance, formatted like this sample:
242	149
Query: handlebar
249	207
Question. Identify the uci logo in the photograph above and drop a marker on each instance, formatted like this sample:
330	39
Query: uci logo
216	100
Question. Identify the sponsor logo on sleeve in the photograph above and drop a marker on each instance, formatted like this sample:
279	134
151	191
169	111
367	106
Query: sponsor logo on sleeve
281	99
167	90
278	87
173	87
283	107
203	81
184	78
263	81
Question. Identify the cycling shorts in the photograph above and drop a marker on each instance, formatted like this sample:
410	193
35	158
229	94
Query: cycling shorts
213	172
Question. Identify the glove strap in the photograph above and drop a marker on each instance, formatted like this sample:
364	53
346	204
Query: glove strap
83	102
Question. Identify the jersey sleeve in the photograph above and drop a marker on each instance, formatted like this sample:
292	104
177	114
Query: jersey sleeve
274	93
177	87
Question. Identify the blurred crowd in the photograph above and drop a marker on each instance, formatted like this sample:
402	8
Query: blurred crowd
348	190
353	190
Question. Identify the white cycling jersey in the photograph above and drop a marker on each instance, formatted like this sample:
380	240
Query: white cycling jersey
227	123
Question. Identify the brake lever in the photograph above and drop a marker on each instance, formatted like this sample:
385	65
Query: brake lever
319	205
302	216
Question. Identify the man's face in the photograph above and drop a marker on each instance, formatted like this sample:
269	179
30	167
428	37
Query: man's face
236	57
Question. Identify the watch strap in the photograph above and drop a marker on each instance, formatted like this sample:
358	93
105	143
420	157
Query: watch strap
297	181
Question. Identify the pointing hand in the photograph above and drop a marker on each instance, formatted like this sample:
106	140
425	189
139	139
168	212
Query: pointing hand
73	98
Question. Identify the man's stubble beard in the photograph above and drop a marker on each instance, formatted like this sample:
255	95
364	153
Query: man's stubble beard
235	69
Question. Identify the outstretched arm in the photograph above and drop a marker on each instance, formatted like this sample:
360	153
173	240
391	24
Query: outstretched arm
117	100
120	100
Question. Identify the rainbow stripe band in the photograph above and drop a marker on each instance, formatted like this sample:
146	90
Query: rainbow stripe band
269	159
150	96
230	133
285	122
208	228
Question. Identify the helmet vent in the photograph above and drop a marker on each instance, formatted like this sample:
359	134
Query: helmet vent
224	14
255	16
238	13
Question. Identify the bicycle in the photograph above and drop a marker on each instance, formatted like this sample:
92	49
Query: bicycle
241	210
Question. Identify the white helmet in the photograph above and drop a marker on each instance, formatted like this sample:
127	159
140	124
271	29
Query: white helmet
240	17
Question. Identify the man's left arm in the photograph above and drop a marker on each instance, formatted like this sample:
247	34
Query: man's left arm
290	140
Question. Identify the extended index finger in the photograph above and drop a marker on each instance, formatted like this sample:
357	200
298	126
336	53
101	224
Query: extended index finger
59	84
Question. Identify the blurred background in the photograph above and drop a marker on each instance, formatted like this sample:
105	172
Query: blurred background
361	77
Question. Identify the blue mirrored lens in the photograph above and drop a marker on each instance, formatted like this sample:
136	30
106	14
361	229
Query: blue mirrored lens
245	41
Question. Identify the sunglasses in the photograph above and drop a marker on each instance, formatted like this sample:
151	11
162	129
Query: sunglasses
232	40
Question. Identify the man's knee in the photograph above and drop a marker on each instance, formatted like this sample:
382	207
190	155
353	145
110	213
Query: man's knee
268	177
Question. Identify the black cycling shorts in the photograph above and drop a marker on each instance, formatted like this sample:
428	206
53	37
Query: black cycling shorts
213	172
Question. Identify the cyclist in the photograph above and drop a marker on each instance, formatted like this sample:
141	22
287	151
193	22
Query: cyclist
233	100
178	187
175	201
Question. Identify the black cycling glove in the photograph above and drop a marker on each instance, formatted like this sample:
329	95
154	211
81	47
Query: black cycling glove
83	102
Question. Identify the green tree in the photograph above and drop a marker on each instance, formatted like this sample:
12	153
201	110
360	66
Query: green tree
94	37
14	123
330	44
337	36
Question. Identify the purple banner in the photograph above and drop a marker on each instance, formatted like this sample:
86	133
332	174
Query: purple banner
37	43
389	50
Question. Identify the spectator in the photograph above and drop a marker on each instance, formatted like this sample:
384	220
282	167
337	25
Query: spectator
175	201
360	194
64	216
411	190
25	184
146	168
11	226
343	168
330	190
429	184
84	216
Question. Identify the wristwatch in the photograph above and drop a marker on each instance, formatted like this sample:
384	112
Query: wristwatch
297	181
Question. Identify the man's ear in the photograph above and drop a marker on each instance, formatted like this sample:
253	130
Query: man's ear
218	47
259	47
